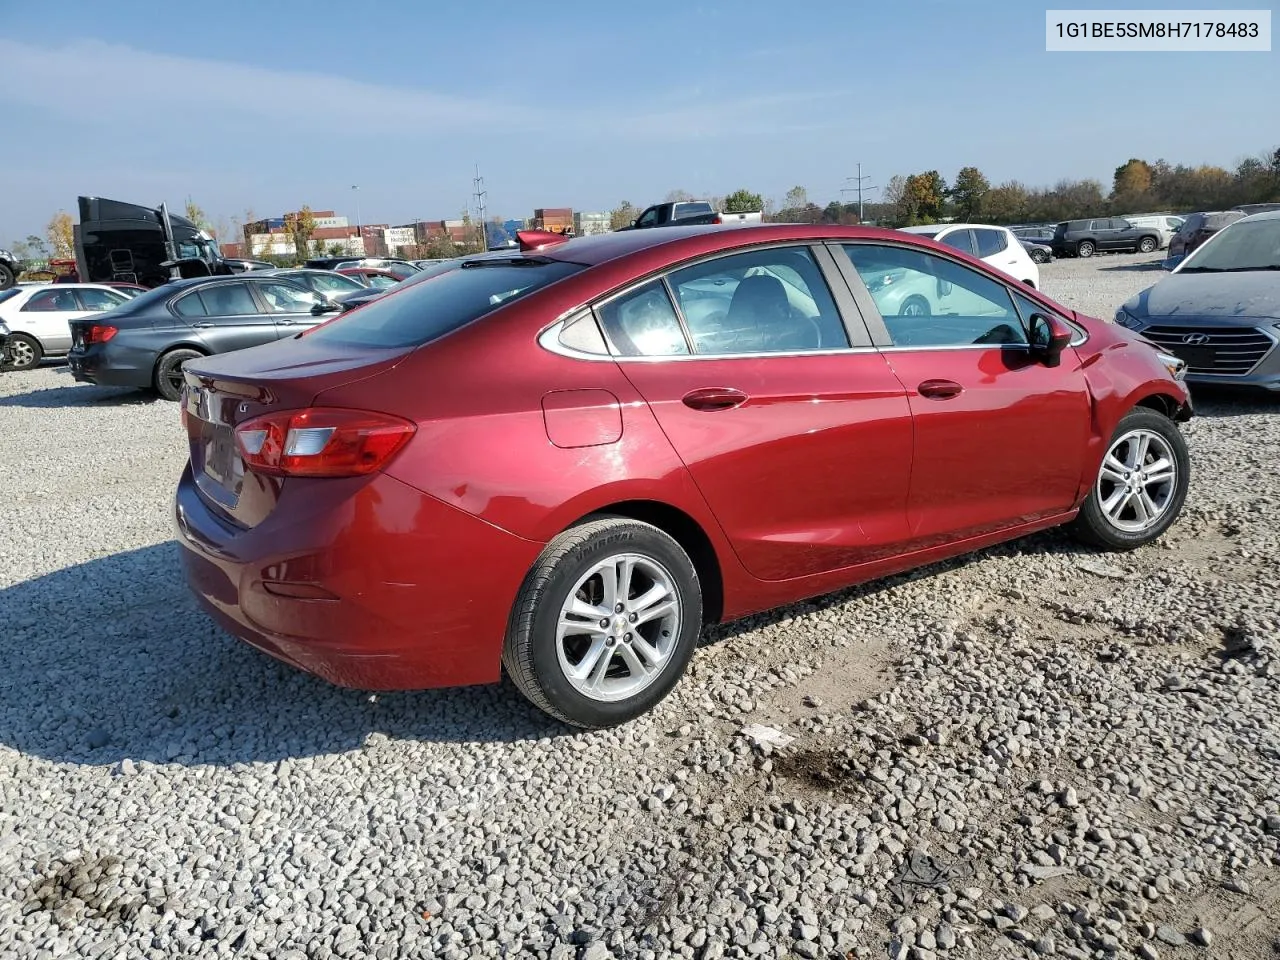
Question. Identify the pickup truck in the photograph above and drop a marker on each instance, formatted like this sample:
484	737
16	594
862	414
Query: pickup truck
688	213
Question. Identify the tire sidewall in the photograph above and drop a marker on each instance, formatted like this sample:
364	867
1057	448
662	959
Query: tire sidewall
1096	521
166	364
631	538
7	277
1086	250
32	342
916	298
1147	245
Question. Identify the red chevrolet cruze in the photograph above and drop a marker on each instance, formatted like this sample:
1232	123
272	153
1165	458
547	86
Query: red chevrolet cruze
568	460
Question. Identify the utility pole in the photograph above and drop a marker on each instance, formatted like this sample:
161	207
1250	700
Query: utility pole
859	188
480	195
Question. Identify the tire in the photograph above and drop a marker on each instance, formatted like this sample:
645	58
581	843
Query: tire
7	276
1147	245
25	352
1039	256
915	306
1085	248
1121	527
575	564
168	375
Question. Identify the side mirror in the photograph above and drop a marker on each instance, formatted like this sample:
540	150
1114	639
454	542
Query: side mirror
944	288
1050	336
321	307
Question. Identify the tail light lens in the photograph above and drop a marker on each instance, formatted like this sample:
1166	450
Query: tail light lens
321	442
99	333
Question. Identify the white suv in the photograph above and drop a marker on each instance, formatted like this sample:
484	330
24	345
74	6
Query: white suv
994	245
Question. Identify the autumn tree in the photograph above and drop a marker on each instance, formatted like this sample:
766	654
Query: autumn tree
622	215
924	197
1006	203
743	201
968	193
301	227
1132	179
60	233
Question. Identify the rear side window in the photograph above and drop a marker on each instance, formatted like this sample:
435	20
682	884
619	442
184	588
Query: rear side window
643	323
990	242
419	313
960	240
9	294
190	306
683	210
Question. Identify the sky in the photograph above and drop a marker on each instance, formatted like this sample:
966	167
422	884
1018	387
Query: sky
266	106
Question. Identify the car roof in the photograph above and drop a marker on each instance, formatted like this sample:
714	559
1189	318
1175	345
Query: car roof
939	227
1264	215
599	248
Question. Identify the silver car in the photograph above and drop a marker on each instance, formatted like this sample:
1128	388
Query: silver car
1219	310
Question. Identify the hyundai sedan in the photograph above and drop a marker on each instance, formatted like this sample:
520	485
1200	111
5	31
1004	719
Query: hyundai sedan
568	460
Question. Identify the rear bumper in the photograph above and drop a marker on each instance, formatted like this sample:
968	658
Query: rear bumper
417	594
108	367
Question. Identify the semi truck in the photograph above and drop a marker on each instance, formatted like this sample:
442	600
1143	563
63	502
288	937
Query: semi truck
129	243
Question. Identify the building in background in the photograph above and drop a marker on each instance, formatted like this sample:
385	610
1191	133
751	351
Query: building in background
553	219
586	224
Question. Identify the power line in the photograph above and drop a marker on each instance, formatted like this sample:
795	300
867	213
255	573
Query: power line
859	189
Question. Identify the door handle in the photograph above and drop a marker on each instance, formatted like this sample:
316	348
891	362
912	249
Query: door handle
714	398
202	326
284	321
940	389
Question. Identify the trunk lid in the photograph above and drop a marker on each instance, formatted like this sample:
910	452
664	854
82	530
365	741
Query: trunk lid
224	391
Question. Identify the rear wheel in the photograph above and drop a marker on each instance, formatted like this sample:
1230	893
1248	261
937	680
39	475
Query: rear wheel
168	376
1085	248
25	352
7	278
1141	486
1147	245
1039	256
605	623
915	306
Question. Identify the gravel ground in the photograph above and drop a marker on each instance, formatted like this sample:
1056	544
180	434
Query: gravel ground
1035	751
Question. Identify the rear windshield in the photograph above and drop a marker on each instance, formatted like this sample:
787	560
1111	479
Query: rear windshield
415	314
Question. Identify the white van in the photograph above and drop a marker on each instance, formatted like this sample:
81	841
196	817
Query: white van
1165	224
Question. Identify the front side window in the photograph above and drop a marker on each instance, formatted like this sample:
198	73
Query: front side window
643	323
930	301
285	297
764	301
332	284
648	218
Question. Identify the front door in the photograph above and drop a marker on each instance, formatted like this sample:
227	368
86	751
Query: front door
47	315
999	436
226	316
800	444
289	305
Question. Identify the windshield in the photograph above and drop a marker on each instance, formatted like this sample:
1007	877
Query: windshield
417	313
927	233
1253	245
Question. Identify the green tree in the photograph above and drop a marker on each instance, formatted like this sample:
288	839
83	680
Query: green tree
197	216
622	215
797	198
301	226
1006	203
678	196
925	195
968	193
743	201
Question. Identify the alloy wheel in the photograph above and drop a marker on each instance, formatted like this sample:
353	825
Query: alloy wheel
618	627
21	356
1138	481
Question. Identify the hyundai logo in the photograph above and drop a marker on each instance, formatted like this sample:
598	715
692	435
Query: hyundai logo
1196	339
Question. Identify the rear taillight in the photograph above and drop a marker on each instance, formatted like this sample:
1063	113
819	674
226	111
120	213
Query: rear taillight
321	442
99	333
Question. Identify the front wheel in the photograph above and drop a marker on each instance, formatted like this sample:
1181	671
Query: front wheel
605	623
1141	486
1039	256
7	276
1147	245
1085	248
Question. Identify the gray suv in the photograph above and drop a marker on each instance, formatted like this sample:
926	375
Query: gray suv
1084	238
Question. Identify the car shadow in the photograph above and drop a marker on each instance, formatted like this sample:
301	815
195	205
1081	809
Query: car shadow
80	395
1146	266
112	659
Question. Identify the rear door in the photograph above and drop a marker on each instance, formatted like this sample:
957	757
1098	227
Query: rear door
226	316
795	430
999	437
288	304
46	316
994	247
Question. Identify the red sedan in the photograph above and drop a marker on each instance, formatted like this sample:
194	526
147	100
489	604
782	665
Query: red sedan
568	460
